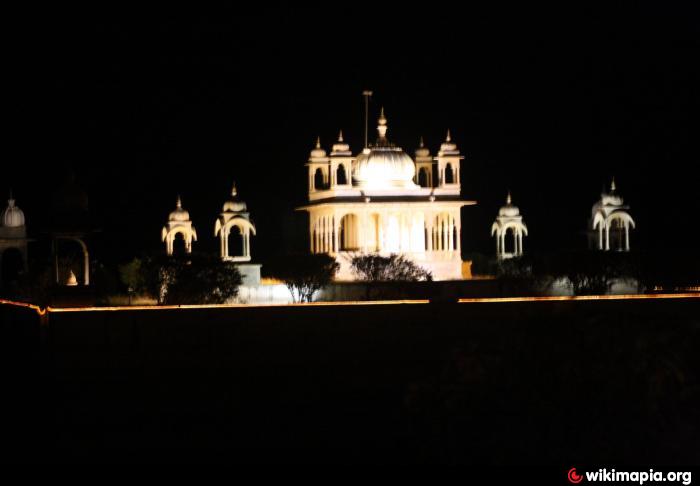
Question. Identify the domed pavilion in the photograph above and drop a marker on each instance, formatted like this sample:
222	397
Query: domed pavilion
383	201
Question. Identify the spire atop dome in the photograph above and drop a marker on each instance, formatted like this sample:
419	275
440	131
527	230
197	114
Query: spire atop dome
509	209
612	185
178	204
421	144
448	147
382	127
340	147
318	142
234	191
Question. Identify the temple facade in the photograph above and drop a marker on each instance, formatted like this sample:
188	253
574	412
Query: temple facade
383	201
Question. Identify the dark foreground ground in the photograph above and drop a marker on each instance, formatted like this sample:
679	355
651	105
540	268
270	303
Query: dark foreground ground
564	383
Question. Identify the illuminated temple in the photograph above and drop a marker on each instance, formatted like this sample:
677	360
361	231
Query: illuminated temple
383	201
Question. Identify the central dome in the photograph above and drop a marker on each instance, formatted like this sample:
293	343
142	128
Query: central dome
384	165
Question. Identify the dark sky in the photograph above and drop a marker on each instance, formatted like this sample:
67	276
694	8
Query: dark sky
549	104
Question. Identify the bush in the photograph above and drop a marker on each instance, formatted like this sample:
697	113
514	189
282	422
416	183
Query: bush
186	279
304	274
392	268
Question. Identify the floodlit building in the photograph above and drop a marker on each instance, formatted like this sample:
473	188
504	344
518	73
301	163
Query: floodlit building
383	201
610	223
509	222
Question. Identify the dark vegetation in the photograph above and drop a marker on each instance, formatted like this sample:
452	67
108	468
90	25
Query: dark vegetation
593	272
184	279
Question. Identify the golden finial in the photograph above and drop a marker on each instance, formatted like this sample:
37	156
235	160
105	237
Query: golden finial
382	118
448	138
612	185
234	191
421	144
318	142
340	136
179	202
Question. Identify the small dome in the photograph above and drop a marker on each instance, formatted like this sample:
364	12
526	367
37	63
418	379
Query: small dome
422	150
509	210
233	205
179	214
12	216
317	151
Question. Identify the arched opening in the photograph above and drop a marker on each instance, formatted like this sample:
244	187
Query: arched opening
444	230
319	183
509	241
423	177
449	174
69	257
341	176
179	247
235	242
617	234
12	266
348	237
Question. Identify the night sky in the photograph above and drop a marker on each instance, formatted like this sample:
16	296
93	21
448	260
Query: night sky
549	104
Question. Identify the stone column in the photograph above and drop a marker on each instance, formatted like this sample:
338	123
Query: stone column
86	266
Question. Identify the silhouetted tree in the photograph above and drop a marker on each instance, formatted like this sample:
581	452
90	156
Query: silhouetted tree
392	268
304	274
374	269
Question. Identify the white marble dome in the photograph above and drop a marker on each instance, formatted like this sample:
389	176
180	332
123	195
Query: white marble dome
12	216
384	165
